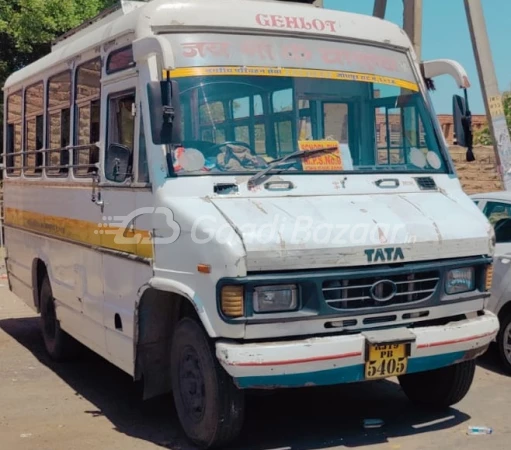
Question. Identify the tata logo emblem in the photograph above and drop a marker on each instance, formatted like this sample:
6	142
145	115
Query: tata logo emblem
383	291
389	254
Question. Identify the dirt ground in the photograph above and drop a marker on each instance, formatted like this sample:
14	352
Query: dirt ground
89	405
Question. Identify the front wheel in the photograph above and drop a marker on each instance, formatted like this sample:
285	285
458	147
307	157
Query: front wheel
504	343
209	406
440	388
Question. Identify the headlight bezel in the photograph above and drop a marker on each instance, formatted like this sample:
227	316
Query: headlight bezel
260	289
249	311
470	288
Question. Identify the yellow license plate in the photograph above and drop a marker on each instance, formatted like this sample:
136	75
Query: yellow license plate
386	360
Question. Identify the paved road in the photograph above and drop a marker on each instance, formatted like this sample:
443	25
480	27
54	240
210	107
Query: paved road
89	405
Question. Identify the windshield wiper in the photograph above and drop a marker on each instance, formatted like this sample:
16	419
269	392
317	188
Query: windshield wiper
280	161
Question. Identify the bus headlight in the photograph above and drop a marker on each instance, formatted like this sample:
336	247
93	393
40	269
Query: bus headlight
279	298
460	280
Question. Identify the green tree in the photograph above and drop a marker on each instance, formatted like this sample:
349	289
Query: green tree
27	28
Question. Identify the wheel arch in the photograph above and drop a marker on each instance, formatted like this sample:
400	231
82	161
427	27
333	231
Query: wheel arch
156	315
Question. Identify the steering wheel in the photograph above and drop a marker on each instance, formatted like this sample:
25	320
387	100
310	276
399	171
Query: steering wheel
223	144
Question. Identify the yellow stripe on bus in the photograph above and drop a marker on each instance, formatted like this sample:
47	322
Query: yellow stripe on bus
135	242
288	72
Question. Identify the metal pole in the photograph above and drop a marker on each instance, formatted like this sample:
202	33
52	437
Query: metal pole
412	23
490	88
380	6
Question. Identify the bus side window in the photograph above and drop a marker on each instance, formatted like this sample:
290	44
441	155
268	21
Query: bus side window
34	109
14	128
87	117
121	122
58	124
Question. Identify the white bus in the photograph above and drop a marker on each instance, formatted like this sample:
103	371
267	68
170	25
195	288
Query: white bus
226	195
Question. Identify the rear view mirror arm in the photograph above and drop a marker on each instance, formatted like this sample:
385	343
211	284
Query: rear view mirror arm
468	126
168	108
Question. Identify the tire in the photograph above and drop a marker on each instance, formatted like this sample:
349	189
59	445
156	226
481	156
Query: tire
59	345
209	406
504	343
440	388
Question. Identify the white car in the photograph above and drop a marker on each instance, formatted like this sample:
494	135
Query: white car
497	207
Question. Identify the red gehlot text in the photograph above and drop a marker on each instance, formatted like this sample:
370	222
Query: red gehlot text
295	23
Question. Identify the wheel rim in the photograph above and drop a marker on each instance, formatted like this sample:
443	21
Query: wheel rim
191	383
50	319
506	336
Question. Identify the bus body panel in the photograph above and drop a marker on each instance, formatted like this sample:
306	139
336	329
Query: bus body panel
99	274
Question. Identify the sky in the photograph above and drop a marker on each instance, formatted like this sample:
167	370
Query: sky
442	18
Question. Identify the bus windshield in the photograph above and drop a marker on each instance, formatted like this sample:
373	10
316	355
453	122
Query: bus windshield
240	118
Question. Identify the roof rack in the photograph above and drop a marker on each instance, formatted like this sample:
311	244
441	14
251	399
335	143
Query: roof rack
105	16
121	8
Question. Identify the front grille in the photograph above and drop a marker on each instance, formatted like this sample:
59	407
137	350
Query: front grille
360	293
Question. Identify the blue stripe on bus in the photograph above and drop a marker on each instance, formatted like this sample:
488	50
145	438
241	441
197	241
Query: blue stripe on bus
340	375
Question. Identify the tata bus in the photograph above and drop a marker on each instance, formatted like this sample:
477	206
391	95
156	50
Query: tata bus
220	196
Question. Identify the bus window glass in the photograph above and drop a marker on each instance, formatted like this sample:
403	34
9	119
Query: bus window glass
404	137
241	108
260	138
336	121
121	59
282	104
121	122
284	137
88	78
241	134
87	100
258	105
368	103
84	120
356	114
59	125
34	111
282	101
13	151
211	115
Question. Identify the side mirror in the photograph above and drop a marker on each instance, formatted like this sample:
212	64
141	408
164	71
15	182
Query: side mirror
463	124
118	163
165	111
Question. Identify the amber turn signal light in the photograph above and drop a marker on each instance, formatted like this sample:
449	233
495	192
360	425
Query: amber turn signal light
489	276
232	301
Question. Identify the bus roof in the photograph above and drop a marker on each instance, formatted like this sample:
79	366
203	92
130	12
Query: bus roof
159	16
